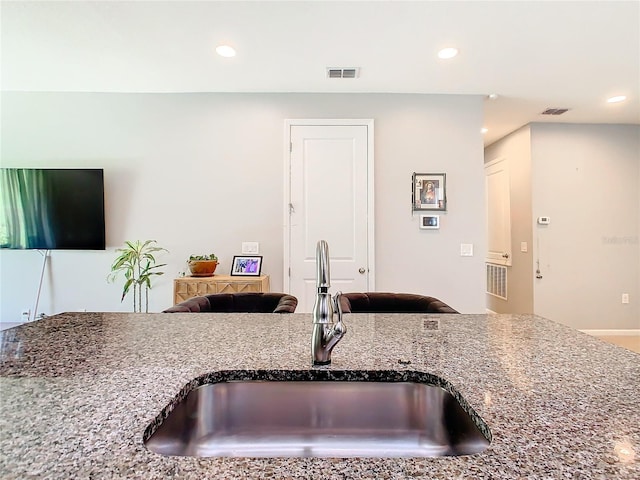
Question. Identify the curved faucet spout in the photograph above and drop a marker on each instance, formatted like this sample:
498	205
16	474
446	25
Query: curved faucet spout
323	276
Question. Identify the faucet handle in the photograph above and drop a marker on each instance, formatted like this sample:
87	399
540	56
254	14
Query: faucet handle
338	305
339	327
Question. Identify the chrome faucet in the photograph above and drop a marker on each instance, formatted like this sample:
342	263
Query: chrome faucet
325	333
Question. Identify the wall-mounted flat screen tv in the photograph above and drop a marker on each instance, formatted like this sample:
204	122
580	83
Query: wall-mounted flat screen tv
52	209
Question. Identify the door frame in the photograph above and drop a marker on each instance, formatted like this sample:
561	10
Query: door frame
327	122
508	261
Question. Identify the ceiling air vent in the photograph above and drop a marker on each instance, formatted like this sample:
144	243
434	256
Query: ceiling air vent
555	111
343	72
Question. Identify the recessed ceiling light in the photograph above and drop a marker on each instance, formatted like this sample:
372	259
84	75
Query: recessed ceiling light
225	51
484	130
492	96
619	98
447	53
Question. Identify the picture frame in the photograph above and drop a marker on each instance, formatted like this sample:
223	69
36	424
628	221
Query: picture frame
430	222
429	191
246	265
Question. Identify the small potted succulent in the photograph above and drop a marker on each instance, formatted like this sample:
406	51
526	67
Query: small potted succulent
202	265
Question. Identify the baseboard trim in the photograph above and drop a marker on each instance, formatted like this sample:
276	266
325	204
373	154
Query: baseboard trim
613	332
491	311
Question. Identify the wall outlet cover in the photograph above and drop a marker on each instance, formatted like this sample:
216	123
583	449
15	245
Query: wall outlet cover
250	248
466	249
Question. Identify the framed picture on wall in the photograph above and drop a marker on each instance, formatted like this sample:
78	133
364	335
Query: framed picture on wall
429	191
246	266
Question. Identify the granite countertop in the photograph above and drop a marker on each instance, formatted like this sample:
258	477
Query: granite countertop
77	391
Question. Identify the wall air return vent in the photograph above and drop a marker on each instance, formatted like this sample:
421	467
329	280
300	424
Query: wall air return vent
497	280
555	111
343	72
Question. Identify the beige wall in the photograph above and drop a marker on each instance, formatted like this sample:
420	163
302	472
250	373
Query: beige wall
516	150
204	172
585	177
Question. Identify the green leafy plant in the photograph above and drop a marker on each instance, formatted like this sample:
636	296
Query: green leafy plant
210	256
138	264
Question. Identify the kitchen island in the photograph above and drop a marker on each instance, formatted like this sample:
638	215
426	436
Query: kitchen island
78	391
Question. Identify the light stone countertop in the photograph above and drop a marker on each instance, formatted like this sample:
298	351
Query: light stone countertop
77	391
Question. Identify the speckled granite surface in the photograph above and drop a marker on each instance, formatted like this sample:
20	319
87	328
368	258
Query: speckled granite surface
78	390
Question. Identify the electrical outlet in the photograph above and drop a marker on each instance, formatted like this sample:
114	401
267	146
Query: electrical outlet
625	298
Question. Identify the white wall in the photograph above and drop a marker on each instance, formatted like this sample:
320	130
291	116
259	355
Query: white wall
204	172
586	178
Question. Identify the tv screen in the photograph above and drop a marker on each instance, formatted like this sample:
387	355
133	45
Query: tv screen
52	209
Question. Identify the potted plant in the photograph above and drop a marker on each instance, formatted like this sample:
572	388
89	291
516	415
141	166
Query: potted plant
202	265
138	264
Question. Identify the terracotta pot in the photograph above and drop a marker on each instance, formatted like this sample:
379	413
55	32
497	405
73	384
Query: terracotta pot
202	268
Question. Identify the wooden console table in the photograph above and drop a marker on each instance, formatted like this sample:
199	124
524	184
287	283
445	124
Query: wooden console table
185	288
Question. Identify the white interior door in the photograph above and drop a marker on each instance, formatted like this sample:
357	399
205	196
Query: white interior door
498	212
330	198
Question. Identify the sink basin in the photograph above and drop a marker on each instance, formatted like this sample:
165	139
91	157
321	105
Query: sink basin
317	419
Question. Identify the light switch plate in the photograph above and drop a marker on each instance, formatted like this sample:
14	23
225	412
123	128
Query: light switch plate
250	248
524	247
466	249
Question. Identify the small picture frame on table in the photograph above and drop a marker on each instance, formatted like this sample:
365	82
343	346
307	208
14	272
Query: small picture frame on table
429	191
430	222
248	266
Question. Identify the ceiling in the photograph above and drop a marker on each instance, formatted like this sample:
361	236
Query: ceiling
532	54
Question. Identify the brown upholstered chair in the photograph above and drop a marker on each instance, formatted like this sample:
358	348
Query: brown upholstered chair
251	302
379	302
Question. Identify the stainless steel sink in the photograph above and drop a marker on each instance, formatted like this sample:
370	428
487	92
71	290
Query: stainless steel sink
317	419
